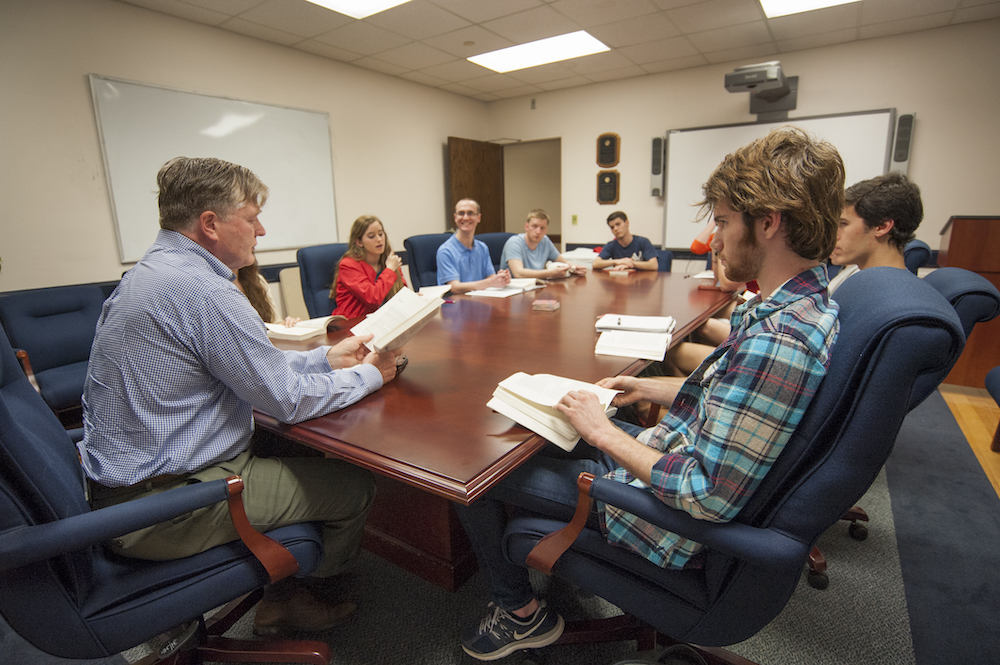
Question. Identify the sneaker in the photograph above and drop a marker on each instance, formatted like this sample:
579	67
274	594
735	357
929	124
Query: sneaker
501	633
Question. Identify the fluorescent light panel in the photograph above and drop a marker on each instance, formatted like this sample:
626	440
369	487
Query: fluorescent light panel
541	52
359	8
775	8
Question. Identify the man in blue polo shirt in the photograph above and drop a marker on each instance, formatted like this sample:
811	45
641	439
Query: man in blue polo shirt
464	262
626	251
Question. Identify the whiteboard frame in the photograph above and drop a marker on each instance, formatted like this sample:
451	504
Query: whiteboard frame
289	150
765	127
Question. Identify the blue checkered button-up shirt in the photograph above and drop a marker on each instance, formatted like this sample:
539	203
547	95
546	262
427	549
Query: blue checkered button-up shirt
180	360
733	416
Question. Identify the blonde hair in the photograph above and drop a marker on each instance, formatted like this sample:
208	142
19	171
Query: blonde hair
356	251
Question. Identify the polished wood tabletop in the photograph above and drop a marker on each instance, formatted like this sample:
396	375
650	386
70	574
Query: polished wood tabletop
431	428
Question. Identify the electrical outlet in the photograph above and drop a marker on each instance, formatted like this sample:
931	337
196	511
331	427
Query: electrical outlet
574	219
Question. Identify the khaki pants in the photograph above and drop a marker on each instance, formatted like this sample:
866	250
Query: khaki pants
277	492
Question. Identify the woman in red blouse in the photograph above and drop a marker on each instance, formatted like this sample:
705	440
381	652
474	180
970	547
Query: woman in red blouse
369	272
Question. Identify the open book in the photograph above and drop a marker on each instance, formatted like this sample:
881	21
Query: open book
302	329
398	320
529	400
434	291
516	286
660	324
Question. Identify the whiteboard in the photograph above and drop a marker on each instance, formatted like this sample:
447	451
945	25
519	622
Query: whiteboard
863	139
143	126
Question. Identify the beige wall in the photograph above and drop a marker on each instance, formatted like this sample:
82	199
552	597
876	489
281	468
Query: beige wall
532	179
388	135
948	77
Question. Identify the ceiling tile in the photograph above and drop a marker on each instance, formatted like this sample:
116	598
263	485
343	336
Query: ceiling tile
423	79
230	7
507	93
550	72
362	37
415	56
381	66
635	30
744	56
418	19
530	25
251	29
457	70
297	17
715	14
599	62
460	89
493	82
883	11
468	41
327	51
182	10
588	13
734	36
479	11
905	25
664	49
815	41
675	64
816	22
561	84
616	74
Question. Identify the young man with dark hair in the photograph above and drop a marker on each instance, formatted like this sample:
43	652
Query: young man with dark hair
776	203
626	251
880	216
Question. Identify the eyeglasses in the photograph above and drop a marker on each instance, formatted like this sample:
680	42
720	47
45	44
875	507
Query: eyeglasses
465	213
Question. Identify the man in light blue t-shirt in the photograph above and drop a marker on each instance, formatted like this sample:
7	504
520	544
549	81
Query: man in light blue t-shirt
464	262
527	254
626	250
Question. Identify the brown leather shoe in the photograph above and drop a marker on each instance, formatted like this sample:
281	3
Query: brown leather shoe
300	612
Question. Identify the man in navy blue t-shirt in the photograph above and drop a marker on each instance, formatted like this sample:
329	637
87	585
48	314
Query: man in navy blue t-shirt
626	250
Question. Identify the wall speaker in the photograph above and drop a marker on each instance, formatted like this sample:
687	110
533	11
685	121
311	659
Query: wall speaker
902	142
656	171
607	150
607	186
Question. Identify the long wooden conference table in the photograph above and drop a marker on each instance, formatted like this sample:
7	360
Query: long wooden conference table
428	434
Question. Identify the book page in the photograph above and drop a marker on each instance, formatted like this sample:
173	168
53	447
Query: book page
403	310
547	389
658	324
630	344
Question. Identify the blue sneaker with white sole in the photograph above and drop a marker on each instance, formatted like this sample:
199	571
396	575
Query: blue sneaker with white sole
501	633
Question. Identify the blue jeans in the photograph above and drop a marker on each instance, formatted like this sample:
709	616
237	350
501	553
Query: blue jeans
545	484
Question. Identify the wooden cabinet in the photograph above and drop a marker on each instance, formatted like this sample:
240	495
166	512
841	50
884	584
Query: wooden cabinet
973	243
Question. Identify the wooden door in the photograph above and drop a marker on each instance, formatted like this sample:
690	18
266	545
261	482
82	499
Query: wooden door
476	172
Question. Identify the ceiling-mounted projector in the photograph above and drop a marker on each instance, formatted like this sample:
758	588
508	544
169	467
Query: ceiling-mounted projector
764	80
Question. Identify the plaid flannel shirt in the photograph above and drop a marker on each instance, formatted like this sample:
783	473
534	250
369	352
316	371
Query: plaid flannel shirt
733	416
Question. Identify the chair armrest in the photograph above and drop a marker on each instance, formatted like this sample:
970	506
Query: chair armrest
30	544
761	547
22	357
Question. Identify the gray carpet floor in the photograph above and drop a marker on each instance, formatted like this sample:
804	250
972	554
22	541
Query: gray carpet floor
860	618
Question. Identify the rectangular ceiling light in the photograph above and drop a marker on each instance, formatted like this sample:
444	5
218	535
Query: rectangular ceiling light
541	52
775	8
359	8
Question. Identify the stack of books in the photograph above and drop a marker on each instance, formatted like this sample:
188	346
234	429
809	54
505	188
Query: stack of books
645	337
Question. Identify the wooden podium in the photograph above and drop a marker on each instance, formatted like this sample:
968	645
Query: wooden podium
973	243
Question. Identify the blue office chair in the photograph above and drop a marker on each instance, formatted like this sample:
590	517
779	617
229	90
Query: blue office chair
893	329
316	266
666	259
421	255
63	592
916	255
54	327
495	243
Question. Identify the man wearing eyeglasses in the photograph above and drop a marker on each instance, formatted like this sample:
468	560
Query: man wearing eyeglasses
463	262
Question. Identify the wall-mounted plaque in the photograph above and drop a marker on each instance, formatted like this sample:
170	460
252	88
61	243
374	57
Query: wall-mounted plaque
607	150
607	186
